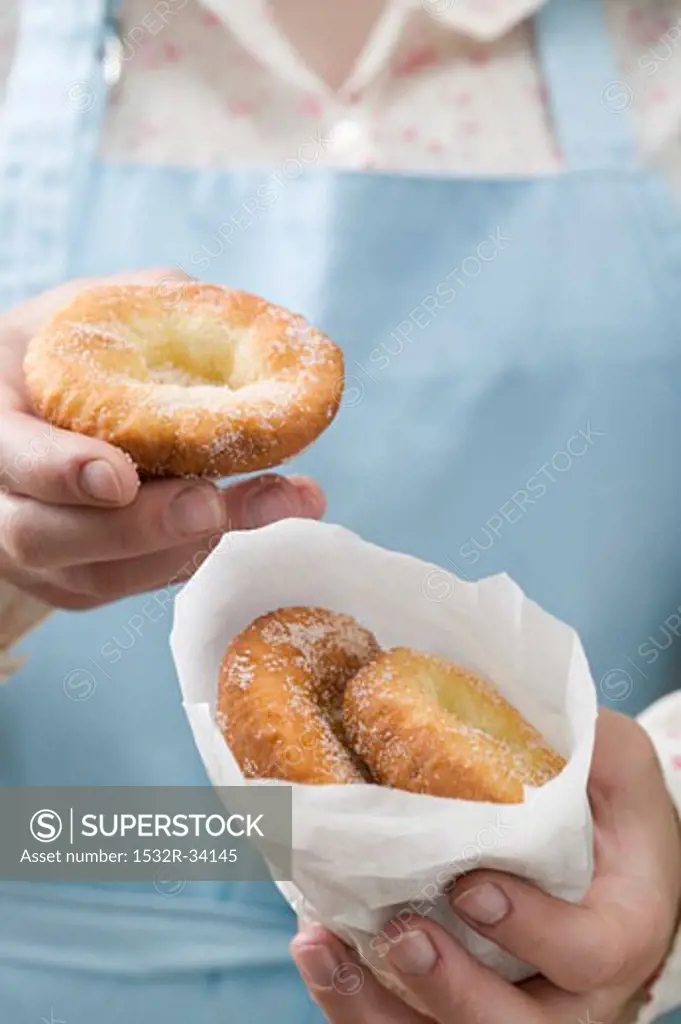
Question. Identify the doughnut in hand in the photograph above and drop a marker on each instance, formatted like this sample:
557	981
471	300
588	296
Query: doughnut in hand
423	724
281	692
203	380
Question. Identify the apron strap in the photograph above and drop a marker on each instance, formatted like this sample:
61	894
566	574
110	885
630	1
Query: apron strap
51	122
589	101
49	133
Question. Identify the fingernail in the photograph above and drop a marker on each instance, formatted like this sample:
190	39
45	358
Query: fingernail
196	510
313	502
484	904
414	953
98	479
270	501
317	965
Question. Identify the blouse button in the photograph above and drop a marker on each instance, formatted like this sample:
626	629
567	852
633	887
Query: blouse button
348	140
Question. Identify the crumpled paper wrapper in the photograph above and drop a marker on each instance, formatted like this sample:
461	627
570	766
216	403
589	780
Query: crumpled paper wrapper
365	854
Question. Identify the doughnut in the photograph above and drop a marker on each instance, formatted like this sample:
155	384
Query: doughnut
281	693
200	380
307	695
423	724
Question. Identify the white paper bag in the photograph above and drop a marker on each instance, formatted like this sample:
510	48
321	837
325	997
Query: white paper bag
363	854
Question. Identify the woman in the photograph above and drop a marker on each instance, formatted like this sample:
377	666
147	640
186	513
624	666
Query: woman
513	372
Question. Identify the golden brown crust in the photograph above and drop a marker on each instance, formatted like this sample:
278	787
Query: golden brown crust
281	691
147	371
426	725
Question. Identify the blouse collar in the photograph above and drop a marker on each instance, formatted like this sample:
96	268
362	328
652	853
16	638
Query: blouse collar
482	20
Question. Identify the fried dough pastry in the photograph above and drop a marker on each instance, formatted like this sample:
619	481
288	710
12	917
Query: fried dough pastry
189	379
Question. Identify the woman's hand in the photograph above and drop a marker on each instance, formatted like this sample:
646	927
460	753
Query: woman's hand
76	527
593	957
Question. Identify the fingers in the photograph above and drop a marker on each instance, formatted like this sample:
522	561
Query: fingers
106	581
345	990
597	1007
165	514
593	956
451	985
58	467
621	930
448	984
571	945
621	788
437	972
41	461
76	528
91	585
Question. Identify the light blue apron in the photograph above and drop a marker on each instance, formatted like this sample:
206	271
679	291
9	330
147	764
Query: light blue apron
514	372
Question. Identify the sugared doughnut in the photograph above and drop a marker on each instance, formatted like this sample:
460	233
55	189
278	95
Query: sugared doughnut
426	725
281	692
203	381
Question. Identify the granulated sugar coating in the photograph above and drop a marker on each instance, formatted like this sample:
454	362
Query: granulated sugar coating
306	695
426	725
281	692
198	380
